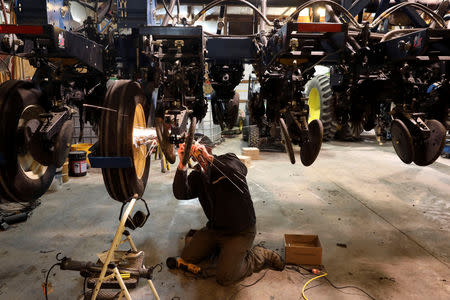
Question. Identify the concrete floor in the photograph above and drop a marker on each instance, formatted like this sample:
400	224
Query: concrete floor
394	219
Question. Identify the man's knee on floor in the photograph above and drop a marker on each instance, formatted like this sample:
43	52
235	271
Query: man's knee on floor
222	280
190	259
227	278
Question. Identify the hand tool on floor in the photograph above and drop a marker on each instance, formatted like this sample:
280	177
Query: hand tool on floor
5	221
179	263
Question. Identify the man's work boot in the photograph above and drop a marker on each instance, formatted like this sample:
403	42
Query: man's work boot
268	257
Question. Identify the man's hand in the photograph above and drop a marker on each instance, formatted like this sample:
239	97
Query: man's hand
200	153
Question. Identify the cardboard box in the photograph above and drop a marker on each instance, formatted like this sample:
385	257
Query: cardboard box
302	249
253	153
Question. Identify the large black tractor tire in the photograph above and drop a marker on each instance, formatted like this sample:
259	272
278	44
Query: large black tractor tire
232	111
320	101
128	110
245	128
253	136
21	177
348	132
218	111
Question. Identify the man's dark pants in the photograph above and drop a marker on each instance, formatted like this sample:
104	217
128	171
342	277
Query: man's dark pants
236	261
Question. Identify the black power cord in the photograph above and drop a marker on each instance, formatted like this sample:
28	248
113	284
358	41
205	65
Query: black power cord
248	285
48	273
167	9
46	279
84	287
348	287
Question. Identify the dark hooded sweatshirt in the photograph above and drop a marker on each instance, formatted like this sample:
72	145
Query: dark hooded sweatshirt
222	191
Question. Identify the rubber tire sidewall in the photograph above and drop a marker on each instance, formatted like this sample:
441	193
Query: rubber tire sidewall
14	183
245	129
323	86
253	136
116	139
233	111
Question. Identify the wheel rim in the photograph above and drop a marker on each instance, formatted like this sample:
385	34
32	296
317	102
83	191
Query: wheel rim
30	167
314	104
139	152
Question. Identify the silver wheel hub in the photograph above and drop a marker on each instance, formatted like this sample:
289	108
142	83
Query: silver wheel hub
30	167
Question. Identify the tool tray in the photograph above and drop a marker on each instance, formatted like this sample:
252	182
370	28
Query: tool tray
130	261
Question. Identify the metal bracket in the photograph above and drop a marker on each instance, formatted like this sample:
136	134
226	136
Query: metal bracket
414	123
52	126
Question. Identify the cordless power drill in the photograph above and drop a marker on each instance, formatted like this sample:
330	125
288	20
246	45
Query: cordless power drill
179	263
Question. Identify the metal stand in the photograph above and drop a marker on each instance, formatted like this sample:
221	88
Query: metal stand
165	165
117	241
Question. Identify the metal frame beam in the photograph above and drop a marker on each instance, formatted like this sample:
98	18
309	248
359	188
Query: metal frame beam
270	3
296	3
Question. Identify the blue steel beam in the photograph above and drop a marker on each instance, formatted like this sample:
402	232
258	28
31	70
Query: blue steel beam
358	7
417	20
110	162
346	3
382	7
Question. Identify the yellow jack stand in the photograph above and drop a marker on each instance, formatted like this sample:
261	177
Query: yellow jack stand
108	261
165	165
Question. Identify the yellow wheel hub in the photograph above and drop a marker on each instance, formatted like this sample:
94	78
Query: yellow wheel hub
139	152
314	104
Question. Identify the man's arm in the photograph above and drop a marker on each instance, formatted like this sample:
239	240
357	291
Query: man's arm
185	187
